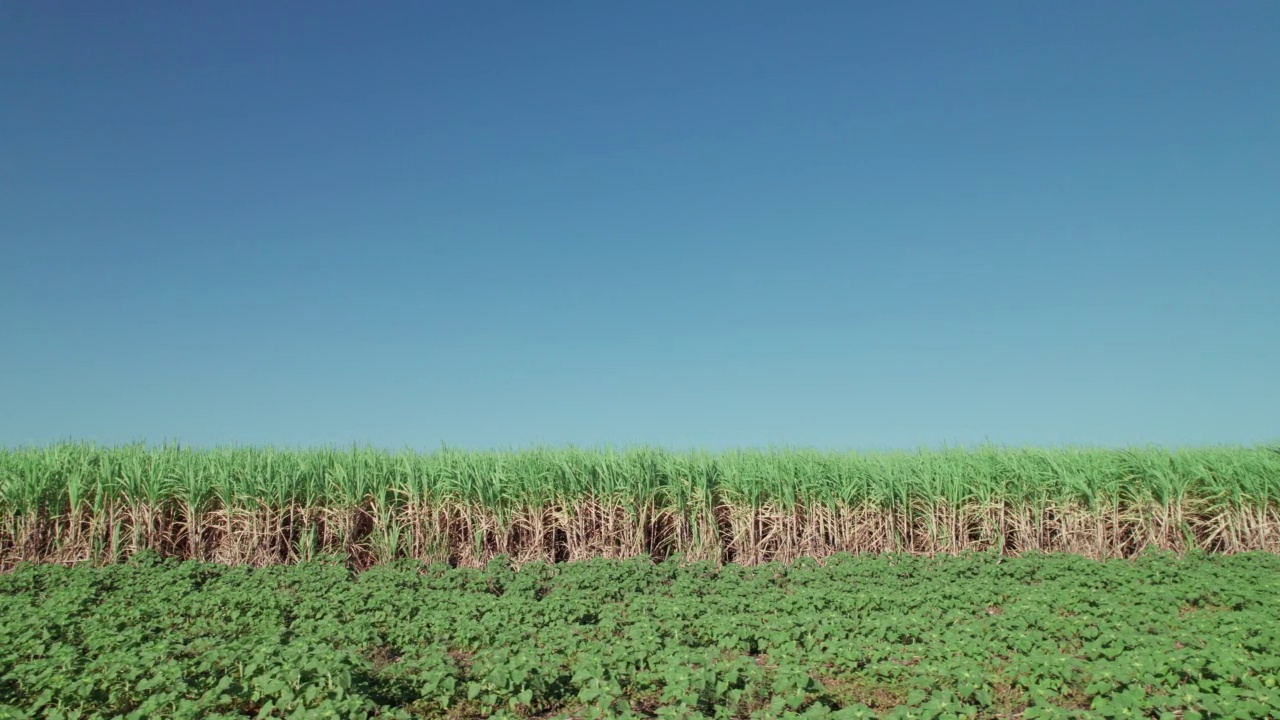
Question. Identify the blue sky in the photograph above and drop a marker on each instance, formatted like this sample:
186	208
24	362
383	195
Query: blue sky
833	224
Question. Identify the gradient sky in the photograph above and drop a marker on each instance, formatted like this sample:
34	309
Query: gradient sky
490	224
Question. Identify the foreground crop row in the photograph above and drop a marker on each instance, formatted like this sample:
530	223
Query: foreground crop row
71	503
858	637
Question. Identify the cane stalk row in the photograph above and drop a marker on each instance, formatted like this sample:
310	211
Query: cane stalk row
259	506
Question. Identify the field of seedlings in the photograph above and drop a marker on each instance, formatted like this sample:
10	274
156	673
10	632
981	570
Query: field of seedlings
889	636
74	503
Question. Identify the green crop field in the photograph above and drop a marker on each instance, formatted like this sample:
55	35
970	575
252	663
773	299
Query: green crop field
890	635
260	506
149	582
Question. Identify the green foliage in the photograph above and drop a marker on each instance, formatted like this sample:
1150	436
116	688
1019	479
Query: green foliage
71	477
974	636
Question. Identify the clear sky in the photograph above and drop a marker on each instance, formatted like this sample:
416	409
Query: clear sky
694	224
